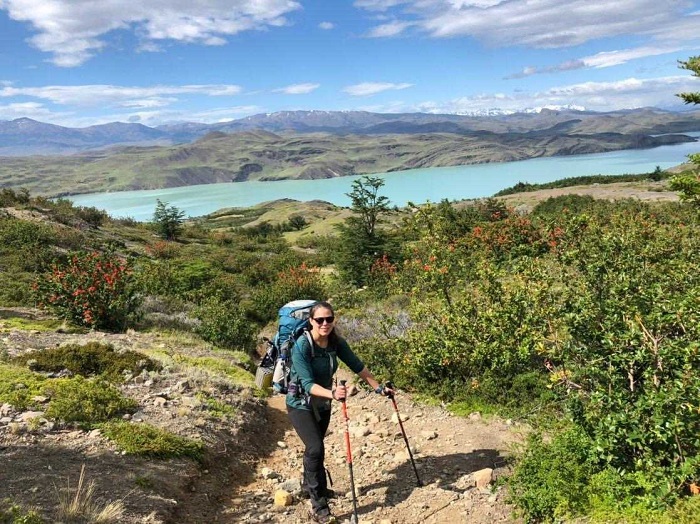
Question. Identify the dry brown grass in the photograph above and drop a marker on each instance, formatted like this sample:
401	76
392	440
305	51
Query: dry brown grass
80	504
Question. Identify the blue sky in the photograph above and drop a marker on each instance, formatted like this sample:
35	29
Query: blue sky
84	62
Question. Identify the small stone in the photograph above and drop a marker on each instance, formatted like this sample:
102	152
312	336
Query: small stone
483	477
282	445
41	399
361	431
160	402
139	416
429	435
29	415
291	485
283	498
475	416
94	433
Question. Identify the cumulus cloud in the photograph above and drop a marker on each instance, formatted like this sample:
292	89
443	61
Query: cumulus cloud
297	89
372	88
542	24
73	30
326	25
600	60
94	95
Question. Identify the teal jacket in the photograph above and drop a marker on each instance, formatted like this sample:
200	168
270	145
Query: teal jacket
307	371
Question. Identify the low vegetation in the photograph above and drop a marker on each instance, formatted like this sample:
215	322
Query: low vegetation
150	441
91	359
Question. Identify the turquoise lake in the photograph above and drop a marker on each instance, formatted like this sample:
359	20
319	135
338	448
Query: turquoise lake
416	185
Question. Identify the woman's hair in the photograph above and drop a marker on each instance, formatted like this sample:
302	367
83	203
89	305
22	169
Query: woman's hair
333	335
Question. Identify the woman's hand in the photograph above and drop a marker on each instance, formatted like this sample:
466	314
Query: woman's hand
388	390
340	393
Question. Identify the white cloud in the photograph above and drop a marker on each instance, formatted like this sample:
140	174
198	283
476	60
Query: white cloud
600	60
372	88
297	89
95	95
72	29
379	5
33	110
597	96
389	29
541	23
326	25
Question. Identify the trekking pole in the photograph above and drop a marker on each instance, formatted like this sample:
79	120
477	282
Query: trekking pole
354	519
403	432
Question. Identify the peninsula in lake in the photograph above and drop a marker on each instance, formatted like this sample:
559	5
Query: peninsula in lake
53	160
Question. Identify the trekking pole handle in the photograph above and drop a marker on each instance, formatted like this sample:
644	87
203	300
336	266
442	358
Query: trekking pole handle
342	383
390	385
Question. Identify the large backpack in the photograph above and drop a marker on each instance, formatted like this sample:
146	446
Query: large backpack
275	367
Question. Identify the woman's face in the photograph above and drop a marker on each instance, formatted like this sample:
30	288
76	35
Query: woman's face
322	321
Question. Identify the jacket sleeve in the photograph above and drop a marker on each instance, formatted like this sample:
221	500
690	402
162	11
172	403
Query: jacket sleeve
301	364
348	357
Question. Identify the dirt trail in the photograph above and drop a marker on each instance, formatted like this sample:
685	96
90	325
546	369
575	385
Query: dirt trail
448	449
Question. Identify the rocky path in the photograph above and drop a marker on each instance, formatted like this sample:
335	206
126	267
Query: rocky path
452	454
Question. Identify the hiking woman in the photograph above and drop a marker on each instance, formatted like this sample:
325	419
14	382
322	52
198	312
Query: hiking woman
309	407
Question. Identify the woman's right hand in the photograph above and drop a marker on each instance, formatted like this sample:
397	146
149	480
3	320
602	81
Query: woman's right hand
340	392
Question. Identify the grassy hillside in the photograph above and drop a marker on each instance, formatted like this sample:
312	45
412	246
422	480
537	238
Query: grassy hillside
259	155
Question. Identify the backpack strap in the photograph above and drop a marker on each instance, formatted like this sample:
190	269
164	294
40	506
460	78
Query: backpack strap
311	341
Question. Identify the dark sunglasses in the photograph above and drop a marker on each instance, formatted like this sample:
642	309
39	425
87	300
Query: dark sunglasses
321	320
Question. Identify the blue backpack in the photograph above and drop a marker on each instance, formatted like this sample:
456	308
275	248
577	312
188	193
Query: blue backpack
275	367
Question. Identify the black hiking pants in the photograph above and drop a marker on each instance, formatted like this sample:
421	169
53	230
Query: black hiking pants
311	431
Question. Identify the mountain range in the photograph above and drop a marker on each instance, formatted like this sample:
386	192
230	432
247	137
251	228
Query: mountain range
27	137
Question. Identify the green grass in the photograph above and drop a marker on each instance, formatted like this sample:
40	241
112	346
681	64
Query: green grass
218	367
217	407
149	441
18	386
91	359
26	324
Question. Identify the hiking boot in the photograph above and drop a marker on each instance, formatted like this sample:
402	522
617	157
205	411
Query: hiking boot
325	518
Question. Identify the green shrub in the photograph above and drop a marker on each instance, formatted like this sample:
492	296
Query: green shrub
87	360
551	480
11	513
18	386
290	284
91	289
224	324
150	441
85	401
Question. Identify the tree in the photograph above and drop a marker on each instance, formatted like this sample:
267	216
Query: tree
361	242
297	222
168	220
692	64
688	184
367	203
